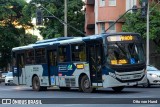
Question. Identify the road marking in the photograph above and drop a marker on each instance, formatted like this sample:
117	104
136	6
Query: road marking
72	104
5	89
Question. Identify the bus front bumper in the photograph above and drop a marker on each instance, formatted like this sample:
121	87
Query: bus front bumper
109	81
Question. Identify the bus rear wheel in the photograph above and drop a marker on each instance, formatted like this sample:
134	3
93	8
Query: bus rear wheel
85	85
118	89
36	85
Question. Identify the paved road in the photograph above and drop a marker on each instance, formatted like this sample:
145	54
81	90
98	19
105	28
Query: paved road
129	92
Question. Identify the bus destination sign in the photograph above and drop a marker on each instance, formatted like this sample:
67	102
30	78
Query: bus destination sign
121	38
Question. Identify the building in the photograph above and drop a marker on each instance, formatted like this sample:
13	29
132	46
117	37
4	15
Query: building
100	14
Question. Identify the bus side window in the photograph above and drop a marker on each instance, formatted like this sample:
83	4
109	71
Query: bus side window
13	59
64	53
40	56
22	60
29	56
78	52
53	58
82	54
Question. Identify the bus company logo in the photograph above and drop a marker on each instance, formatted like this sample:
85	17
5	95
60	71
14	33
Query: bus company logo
6	101
70	67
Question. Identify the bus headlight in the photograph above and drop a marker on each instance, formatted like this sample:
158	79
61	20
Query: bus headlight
112	74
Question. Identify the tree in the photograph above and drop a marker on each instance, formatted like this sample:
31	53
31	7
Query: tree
53	28
135	23
13	23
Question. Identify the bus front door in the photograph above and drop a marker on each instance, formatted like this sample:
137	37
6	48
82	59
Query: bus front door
95	61
52	66
20	69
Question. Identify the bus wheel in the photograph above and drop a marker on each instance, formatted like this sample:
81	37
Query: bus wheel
118	89
147	84
43	88
86	85
36	84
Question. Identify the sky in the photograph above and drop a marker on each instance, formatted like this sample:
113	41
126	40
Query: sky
28	1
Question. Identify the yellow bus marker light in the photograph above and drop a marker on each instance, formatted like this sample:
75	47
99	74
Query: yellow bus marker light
79	66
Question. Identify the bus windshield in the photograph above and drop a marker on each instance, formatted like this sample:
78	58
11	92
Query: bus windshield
120	53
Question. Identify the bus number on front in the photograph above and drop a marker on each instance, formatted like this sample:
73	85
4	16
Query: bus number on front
126	38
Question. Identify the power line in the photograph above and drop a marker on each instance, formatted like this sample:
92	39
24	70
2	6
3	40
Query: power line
61	21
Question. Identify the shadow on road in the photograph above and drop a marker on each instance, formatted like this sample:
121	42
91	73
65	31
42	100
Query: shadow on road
104	91
127	90
153	86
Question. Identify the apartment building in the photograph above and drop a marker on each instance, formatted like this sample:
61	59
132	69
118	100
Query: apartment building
100	14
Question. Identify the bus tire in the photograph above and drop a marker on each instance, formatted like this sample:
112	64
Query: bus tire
118	89
64	88
80	88
86	85
147	85
36	84
43	88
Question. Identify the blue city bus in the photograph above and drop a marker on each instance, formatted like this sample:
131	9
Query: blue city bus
106	60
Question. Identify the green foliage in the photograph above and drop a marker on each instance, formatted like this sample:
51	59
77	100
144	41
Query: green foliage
13	14
134	23
53	28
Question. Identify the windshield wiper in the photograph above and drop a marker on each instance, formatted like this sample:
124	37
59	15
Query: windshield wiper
121	49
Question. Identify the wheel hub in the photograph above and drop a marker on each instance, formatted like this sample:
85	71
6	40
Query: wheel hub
86	83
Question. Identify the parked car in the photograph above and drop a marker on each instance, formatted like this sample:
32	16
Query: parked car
153	76
2	76
9	78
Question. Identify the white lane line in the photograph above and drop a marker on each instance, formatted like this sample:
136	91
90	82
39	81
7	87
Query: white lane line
71	105
5	89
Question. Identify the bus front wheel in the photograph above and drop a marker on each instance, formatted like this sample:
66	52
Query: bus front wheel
118	89
36	85
85	84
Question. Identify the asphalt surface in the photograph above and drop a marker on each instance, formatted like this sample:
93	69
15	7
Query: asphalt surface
129	93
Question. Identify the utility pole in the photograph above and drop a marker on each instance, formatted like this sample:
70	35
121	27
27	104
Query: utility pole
65	18
96	16
61	21
147	49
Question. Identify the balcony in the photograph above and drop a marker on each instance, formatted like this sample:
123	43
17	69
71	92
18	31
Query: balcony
90	2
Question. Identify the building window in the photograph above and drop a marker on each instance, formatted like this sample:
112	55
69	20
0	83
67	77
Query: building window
102	26
113	28
130	4
102	3
112	2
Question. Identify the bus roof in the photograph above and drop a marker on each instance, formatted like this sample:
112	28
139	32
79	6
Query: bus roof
54	39
65	40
